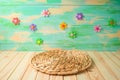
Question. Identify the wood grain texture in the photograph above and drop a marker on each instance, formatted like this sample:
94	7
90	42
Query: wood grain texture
109	65
21	68
3	54
83	76
7	71
30	74
42	76
70	77
6	60
53	77
15	66
102	66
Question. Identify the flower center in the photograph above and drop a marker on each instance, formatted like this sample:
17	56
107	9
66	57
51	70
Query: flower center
71	34
45	12
38	42
63	26
112	22
79	16
32	27
97	28
15	20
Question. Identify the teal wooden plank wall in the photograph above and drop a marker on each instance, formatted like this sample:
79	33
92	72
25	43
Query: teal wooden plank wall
95	12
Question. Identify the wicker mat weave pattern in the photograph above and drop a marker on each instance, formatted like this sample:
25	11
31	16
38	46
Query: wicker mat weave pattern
61	62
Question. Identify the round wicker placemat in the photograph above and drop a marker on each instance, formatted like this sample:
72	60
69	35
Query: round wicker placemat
61	62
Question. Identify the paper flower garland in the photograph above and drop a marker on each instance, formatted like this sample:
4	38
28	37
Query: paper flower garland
39	41
33	27
45	13
63	25
16	21
79	16
72	34
97	28
111	22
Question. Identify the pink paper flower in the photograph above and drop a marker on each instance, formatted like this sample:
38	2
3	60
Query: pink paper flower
45	13
16	21
97	28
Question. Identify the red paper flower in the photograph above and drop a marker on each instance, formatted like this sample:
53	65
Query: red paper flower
16	21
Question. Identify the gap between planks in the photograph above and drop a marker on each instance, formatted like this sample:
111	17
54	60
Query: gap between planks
6	60
103	66
21	68
11	66
93	72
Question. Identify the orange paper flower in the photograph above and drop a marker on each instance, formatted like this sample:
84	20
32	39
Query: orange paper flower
63	25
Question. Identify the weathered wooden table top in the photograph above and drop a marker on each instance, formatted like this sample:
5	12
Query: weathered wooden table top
15	66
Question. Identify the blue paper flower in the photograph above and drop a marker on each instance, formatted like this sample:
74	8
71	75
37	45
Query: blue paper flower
33	27
79	16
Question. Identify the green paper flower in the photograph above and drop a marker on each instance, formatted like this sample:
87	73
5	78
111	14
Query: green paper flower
39	41
72	34
111	22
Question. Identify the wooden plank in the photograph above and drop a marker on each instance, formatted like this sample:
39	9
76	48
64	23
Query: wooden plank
0	52
11	66
42	76
115	70
83	76
5	61
19	71
101	66
70	77
30	71
3	54
30	74
113	58
117	54
105	61
52	77
93	73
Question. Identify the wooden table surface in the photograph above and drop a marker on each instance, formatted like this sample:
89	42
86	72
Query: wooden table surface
15	66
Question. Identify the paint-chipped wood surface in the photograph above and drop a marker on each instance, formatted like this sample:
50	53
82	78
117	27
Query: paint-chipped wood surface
15	66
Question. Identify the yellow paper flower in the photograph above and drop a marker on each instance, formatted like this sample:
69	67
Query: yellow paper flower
63	25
